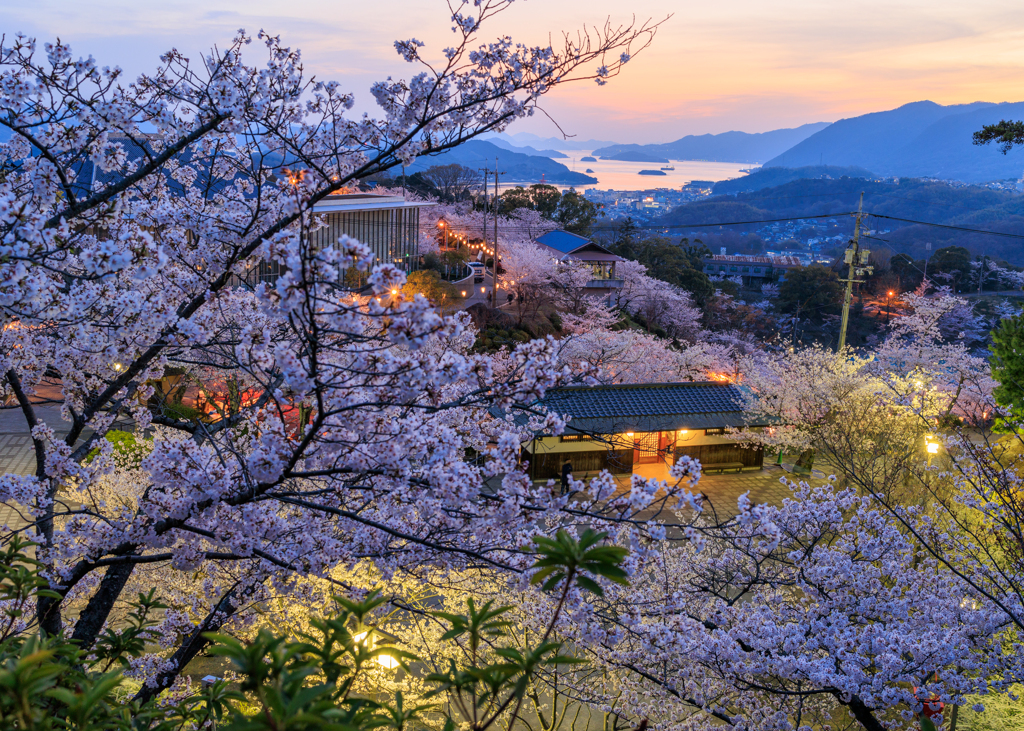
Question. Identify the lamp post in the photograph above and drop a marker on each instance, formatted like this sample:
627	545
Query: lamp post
445	228
931	447
888	306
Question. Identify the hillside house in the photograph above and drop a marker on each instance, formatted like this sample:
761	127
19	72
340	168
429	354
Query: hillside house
565	246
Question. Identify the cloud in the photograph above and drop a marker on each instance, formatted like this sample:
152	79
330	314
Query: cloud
742	64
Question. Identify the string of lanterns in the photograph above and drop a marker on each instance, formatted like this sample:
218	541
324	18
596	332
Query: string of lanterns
450	234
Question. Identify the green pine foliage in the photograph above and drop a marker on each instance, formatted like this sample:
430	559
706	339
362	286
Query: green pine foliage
307	682
1007	361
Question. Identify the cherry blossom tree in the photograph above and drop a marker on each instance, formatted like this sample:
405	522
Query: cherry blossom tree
129	212
801	616
659	303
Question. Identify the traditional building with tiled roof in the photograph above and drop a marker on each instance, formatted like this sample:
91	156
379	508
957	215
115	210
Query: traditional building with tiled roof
641	427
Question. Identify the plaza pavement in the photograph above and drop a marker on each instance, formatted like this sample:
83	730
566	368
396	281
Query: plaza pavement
16	453
724	490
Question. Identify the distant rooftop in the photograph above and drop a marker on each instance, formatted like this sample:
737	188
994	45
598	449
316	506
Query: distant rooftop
754	259
576	247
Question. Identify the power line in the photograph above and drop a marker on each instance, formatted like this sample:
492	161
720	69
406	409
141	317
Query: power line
944	205
663	226
949	226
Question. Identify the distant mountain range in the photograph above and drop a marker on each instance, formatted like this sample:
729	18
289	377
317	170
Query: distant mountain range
525	149
770	177
920	140
521	139
518	167
634	156
724	147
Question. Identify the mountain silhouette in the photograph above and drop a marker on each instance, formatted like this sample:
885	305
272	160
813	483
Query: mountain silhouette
724	147
921	139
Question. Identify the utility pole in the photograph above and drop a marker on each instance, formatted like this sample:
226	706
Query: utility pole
854	257
485	172
981	277
494	290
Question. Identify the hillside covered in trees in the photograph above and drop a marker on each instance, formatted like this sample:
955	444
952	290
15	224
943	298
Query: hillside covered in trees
924	201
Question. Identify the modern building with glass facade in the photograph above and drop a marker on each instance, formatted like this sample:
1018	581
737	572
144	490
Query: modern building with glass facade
389	225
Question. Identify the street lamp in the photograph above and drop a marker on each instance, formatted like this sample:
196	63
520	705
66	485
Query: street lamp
888	306
931	446
374	637
443	225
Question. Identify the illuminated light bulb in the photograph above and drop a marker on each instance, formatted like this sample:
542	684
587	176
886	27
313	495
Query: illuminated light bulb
629	434
387	662
394	291
359	637
118	367
933	447
463	293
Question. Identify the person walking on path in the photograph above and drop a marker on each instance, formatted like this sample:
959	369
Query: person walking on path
566	475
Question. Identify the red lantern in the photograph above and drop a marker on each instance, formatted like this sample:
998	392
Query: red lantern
931	707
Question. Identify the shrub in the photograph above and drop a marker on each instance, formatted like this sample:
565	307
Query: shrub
305	682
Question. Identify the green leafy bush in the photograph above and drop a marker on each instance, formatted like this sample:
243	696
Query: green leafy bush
126	446
184	412
300	683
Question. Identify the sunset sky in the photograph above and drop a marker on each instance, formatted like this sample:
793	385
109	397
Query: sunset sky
750	65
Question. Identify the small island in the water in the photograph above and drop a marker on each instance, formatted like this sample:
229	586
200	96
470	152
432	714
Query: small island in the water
652	172
589	170
588	158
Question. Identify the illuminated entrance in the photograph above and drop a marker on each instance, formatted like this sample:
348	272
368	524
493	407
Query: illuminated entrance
644	429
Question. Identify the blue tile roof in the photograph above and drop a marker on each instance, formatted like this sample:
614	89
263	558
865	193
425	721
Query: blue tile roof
562	241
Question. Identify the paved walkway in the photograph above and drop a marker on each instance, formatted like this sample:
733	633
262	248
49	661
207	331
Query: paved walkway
724	490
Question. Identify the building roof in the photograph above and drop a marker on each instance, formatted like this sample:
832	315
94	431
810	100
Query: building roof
562	241
342	202
779	261
575	247
652	407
